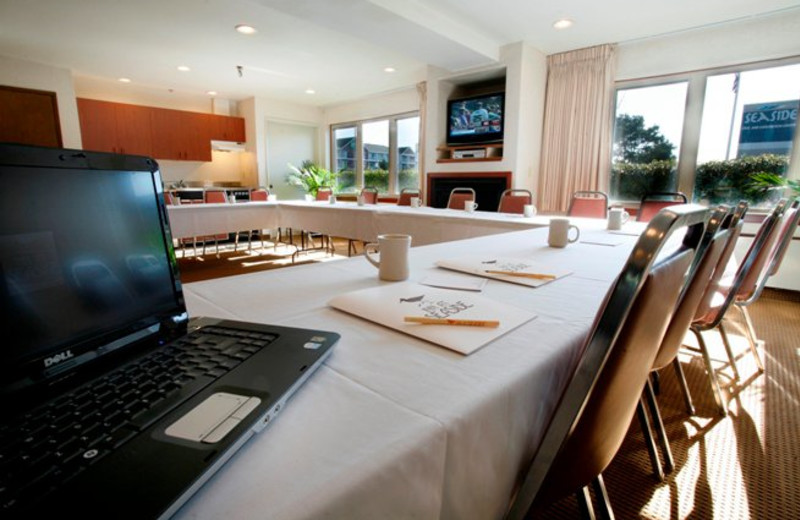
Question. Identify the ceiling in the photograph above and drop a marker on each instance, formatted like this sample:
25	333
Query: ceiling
337	48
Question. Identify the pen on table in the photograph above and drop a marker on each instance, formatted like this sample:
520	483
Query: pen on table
451	321
536	276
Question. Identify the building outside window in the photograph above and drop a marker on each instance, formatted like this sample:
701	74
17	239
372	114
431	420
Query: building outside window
719	136
388	158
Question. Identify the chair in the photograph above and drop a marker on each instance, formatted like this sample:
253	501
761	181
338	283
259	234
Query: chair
592	204
458	196
324	193
261	194
326	244
406	194
654	202
717	234
598	404
514	201
370	195
717	298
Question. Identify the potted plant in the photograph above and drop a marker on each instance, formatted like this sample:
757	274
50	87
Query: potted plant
311	177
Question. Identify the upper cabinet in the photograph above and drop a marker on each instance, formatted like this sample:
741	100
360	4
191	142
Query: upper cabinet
157	132
29	117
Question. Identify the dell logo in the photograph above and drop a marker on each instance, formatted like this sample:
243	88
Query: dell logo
58	358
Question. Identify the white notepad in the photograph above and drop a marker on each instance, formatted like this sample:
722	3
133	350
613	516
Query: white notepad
522	270
388	305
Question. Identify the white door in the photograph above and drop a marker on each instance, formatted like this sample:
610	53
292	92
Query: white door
288	143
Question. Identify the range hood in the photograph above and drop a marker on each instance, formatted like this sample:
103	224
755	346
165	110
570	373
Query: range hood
227	146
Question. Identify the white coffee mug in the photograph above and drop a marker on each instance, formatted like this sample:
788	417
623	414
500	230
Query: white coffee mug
416	202
559	232
393	262
470	206
529	210
272	197
332	199
617	217
360	200
232	199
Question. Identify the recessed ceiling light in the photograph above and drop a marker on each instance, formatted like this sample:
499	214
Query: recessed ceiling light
124	80
246	29
389	69
212	92
310	91
564	23
183	68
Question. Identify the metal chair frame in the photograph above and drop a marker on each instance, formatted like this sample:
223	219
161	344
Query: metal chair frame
454	195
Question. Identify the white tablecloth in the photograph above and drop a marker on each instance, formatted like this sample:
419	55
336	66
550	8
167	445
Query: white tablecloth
395	427
189	220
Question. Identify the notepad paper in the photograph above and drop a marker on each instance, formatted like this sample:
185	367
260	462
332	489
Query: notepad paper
481	265
388	305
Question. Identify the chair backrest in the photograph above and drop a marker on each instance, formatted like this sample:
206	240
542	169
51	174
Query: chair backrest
790	220
169	198
324	193
514	200
720	229
655	201
593	204
259	194
752	268
596	408
370	195
459	196
215	196
405	196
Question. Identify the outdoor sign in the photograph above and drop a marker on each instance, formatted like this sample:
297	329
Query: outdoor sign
768	128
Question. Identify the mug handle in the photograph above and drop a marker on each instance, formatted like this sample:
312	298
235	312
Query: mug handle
577	234
367	248
625	216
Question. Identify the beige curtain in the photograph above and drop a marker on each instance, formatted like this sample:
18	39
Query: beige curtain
422	90
576	145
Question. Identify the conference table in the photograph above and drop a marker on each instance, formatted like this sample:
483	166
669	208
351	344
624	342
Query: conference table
392	426
345	219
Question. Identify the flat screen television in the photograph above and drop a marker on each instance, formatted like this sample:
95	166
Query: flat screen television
475	119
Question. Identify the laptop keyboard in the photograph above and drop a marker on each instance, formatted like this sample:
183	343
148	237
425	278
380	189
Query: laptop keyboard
55	443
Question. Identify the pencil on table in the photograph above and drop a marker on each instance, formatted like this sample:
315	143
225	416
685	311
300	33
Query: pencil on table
536	276
451	321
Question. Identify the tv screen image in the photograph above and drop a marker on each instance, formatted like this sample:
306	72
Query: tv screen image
475	120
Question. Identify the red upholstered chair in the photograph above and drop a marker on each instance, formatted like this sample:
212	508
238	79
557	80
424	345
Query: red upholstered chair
406	194
592	204
595	410
654	202
459	196
370	195
324	193
747	283
260	194
514	200
215	196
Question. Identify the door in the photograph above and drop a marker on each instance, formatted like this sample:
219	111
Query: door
288	143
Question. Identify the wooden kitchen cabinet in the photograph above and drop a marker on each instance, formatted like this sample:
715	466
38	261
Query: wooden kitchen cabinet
226	128
29	116
115	127
180	136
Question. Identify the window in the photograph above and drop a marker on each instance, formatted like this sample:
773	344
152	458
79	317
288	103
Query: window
748	128
389	154
720	136
647	137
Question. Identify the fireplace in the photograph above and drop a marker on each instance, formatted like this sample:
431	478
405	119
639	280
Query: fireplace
488	187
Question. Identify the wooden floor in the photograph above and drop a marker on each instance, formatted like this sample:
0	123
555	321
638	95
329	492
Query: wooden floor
743	466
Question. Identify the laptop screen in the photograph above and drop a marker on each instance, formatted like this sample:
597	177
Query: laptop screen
85	260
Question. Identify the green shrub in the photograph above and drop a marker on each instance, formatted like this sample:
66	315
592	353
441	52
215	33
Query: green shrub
735	179
630	181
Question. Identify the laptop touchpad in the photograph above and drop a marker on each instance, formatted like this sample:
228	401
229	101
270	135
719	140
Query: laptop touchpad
212	419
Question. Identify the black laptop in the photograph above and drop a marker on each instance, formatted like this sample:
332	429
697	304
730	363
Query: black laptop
115	404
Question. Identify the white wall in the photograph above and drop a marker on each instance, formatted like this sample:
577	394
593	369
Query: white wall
773	37
26	74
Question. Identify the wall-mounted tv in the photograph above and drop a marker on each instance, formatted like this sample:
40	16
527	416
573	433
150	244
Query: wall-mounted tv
475	119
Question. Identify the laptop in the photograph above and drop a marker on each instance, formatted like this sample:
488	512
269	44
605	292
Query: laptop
115	402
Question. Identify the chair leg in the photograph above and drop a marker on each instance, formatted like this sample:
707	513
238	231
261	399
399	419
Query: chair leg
652	450
712	373
687	397
729	350
661	432
585	503
751	336
602	497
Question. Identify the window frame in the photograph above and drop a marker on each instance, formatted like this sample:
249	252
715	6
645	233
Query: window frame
393	149
693	114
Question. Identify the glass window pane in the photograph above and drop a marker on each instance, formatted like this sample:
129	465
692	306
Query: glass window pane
749	121
376	155
647	139
344	157
407	153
